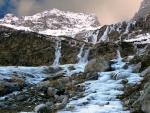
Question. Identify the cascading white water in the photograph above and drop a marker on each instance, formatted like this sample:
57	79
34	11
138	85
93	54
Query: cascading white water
94	38
105	35
118	55
79	56
85	58
57	53
127	28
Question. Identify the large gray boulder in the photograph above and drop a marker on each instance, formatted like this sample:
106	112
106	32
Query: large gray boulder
92	76
42	108
145	99
136	68
97	65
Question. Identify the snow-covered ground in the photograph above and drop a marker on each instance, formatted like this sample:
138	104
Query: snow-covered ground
31	75
140	39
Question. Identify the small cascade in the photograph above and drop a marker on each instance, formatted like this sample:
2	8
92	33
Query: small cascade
118	55
57	53
94	38
127	28
141	51
79	56
105	35
85	58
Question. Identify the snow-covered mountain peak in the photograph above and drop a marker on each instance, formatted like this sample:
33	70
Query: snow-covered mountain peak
53	22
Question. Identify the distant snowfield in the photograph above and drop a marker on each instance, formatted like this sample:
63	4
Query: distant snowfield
53	22
71	32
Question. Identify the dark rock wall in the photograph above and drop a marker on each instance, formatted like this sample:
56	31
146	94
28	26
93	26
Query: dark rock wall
20	48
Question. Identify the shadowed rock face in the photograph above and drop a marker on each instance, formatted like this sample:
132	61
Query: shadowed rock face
32	49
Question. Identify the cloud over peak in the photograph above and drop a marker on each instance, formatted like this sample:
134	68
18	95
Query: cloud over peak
108	11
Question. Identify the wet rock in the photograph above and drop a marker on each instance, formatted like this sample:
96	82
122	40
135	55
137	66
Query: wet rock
97	65
124	81
43	88
65	100
145	99
14	106
42	108
21	98
126	66
52	91
145	72
4	104
137	68
6	87
59	106
55	76
60	92
43	83
122	75
92	76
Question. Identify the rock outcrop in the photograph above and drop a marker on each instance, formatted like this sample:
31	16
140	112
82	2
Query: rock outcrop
144	10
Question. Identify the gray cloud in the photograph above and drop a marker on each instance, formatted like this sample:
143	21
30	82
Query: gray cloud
108	11
2	3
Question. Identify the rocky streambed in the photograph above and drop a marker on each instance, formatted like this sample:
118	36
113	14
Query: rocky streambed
72	88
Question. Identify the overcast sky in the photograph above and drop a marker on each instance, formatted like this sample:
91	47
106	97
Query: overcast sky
108	11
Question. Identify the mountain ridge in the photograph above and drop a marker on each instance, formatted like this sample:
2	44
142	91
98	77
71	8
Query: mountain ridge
53	22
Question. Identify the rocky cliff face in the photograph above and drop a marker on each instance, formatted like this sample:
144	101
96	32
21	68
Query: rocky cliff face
20	47
144	10
32	49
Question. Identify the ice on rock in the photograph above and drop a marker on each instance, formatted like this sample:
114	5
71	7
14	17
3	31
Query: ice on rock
100	95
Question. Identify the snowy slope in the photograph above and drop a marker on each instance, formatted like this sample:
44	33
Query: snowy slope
140	39
53	22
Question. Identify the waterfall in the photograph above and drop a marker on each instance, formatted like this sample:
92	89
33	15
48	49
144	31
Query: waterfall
79	56
94	38
118	55
127	28
105	35
85	57
57	53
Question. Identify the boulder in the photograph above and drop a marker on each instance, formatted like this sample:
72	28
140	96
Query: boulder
42	108
137	68
145	99
92	76
145	72
59	106
52	91
21	98
122	75
97	65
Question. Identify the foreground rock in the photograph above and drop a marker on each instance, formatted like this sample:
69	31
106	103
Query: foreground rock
97	65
